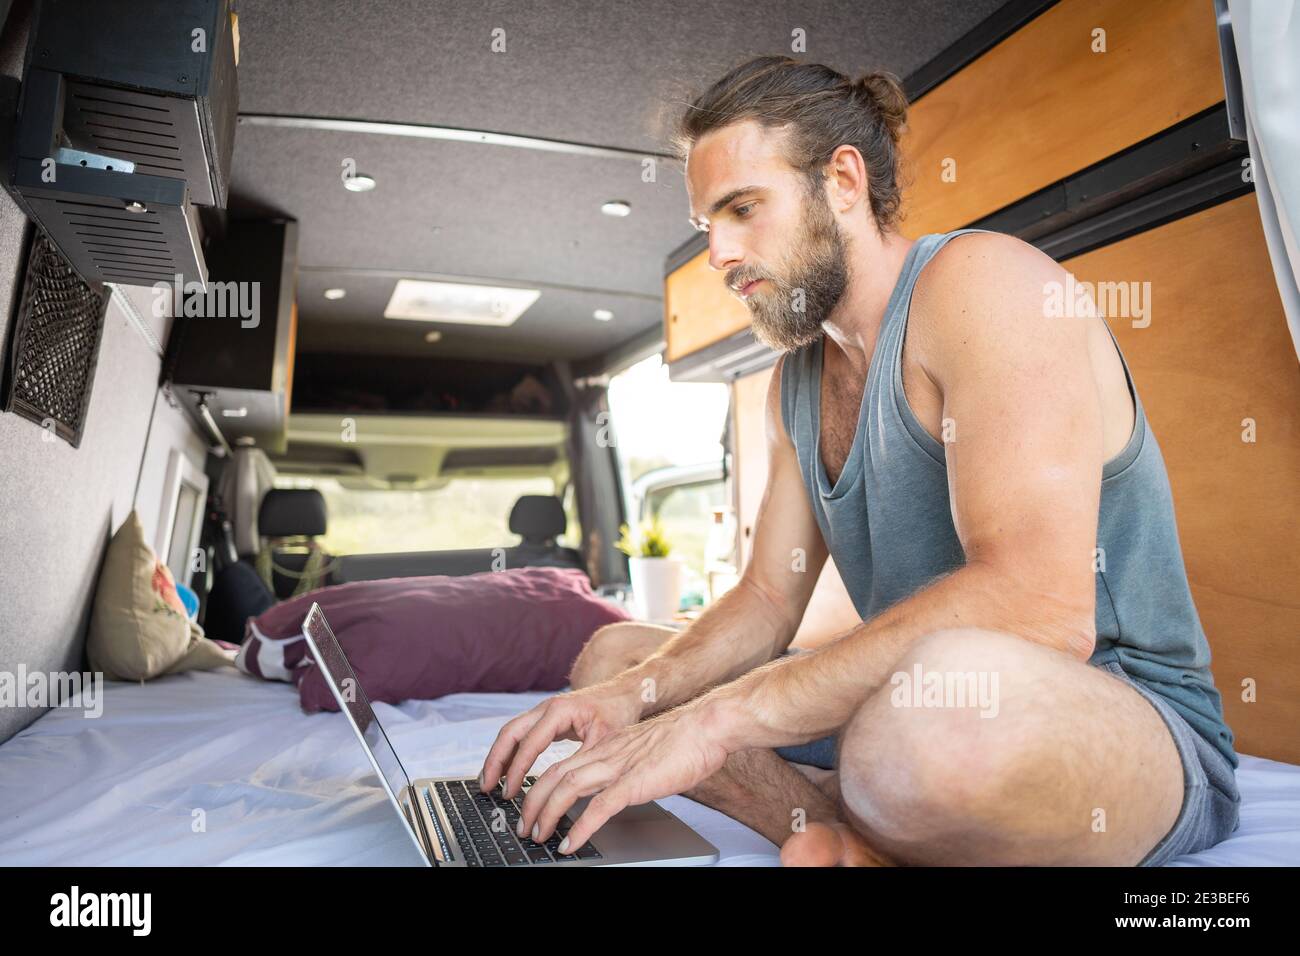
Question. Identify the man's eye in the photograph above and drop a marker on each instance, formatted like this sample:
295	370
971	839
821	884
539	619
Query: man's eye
743	211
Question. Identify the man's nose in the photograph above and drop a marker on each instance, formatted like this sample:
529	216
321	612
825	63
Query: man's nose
723	255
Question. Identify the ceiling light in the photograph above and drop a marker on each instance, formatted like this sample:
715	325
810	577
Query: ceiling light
603	314
432	337
458	302
616	207
359	183
335	293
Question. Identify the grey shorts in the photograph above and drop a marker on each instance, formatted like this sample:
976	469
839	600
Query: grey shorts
1211	800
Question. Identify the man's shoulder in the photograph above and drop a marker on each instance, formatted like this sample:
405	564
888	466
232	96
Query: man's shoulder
978	263
778	399
980	288
776	425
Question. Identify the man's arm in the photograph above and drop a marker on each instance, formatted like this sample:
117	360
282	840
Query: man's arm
756	620
1024	479
747	626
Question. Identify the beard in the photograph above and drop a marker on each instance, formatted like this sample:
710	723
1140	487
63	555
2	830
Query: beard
803	294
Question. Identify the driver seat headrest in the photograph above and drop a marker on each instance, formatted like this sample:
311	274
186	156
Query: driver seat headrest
538	519
291	513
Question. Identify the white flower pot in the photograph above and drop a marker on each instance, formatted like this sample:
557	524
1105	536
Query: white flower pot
656	587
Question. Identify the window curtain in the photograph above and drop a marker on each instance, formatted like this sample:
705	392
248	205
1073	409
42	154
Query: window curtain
1267	40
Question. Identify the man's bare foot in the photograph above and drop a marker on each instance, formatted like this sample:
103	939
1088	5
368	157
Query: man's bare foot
829	844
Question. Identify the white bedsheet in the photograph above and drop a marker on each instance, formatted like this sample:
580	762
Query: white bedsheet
207	768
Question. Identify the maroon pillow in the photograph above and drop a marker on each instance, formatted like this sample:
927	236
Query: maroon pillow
498	631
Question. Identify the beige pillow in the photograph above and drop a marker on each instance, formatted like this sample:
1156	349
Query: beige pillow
138	628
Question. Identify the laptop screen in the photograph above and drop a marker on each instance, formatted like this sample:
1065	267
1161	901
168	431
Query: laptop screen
338	672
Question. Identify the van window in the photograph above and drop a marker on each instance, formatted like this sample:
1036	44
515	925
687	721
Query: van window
669	439
686	513
469	512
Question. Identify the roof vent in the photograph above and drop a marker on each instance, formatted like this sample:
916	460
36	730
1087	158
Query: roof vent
458	302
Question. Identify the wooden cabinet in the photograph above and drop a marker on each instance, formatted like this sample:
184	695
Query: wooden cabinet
1046	102
699	310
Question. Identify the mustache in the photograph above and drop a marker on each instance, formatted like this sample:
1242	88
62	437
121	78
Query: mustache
742	276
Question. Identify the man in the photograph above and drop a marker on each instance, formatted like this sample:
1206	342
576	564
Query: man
1030	683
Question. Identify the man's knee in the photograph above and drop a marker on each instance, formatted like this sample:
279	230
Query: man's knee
926	752
614	648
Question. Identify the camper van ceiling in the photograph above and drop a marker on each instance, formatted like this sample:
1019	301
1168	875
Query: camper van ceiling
571	73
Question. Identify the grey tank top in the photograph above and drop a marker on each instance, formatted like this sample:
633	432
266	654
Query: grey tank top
888	524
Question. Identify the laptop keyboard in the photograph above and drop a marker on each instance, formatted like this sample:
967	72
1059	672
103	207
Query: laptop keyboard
484	825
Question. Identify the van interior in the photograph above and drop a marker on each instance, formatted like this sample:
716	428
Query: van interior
307	298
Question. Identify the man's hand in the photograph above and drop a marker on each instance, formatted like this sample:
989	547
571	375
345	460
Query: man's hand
656	758
588	715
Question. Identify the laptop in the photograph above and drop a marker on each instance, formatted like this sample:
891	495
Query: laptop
452	824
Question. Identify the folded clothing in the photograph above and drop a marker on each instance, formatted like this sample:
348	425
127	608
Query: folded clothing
499	631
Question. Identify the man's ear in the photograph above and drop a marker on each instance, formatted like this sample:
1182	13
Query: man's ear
846	178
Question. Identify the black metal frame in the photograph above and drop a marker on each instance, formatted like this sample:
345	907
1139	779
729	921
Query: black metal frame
1177	171
1205	189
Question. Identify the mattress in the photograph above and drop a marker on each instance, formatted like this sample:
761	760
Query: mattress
219	768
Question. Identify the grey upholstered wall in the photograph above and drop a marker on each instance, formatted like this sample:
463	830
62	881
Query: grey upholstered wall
59	505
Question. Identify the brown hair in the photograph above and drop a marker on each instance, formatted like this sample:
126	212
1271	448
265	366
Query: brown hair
824	108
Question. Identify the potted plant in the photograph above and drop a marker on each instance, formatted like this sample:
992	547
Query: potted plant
656	577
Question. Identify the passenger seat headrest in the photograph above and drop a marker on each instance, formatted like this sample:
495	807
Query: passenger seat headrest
290	512
538	519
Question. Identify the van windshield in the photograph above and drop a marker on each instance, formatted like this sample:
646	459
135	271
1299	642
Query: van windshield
470	512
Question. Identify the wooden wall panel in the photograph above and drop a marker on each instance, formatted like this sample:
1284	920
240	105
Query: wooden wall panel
830	612
1216	352
698	308
748	398
1041	105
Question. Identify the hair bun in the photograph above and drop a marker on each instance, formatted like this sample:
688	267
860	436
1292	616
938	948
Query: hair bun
885	92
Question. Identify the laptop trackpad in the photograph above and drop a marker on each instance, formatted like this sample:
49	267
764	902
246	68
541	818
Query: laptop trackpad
644	813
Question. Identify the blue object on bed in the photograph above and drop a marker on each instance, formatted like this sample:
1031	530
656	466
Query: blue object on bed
189	599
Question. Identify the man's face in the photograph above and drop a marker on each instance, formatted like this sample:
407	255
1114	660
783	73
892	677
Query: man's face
775	236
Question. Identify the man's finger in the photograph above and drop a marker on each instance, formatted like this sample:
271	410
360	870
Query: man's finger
504	746
599	810
542	787
579	782
557	719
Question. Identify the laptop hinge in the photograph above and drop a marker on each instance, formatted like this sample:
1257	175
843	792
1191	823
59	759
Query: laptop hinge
411	808
441	850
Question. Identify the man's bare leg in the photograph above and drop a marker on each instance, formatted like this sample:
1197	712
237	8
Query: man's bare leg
614	648
1075	767
782	800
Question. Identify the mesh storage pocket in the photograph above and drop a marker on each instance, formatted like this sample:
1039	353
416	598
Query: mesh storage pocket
55	344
